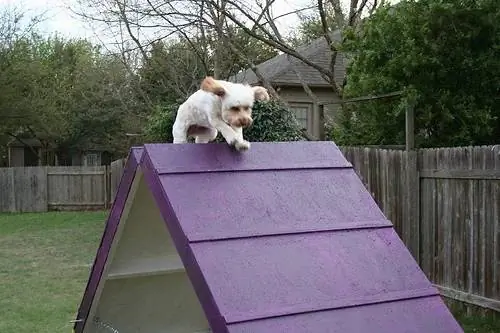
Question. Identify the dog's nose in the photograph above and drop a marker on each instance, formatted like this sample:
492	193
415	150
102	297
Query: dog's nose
245	122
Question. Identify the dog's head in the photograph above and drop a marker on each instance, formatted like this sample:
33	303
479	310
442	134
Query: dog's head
237	100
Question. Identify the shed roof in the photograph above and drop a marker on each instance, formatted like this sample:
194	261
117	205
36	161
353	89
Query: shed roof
282	238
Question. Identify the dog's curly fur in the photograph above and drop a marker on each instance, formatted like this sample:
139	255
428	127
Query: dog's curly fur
218	106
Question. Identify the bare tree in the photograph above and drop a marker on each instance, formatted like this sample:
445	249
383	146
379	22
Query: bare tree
240	14
143	22
11	24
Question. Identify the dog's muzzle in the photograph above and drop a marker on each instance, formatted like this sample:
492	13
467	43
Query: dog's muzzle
245	122
241	122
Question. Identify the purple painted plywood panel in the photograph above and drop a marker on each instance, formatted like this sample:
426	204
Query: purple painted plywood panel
186	158
421	315
228	204
262	277
193	271
108	236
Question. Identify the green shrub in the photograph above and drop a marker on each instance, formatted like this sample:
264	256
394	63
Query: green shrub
273	122
159	126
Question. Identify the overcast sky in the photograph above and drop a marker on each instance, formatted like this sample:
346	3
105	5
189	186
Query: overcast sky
60	19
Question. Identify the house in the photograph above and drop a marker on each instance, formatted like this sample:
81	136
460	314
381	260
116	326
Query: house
31	152
279	72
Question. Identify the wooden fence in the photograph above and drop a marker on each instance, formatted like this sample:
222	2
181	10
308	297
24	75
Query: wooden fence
40	189
445	205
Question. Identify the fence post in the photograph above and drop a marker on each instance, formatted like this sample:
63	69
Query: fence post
410	127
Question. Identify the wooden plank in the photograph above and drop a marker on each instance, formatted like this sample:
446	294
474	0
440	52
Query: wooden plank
440	224
461	217
458	223
425	221
7	202
447	223
147	267
413	204
469	298
489	206
479	174
106	187
383	169
30	187
482	225
427	205
366	167
410	127
471	230
495	197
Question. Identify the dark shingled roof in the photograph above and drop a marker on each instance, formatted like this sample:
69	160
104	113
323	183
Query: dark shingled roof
279	70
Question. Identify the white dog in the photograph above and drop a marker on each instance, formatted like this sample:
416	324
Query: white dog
219	106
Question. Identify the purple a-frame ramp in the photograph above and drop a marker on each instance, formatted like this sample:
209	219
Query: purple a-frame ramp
107	238
281	239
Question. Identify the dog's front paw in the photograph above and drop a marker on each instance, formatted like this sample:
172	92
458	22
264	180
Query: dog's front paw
242	145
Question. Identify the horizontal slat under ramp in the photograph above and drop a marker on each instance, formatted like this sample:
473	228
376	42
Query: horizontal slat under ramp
147	267
335	304
202	237
460	174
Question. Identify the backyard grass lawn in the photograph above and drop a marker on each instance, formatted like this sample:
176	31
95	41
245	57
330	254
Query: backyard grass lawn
44	266
44	262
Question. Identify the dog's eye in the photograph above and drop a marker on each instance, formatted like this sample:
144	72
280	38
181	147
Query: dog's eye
235	109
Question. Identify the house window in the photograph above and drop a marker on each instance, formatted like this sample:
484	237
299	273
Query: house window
302	113
92	159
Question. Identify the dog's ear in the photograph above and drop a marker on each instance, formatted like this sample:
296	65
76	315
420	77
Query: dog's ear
209	84
260	93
